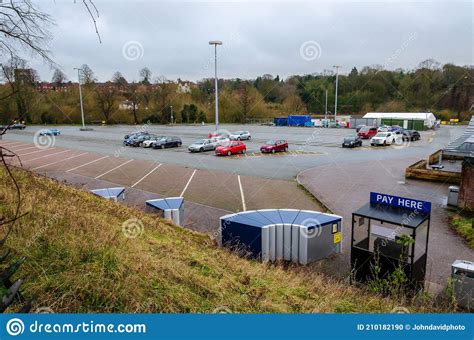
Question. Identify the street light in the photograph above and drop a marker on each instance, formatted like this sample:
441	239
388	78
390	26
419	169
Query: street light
171	109
215	43
337	67
80	97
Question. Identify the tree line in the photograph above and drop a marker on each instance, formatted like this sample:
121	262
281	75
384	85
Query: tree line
445	90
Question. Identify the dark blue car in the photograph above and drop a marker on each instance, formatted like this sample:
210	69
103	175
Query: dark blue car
50	132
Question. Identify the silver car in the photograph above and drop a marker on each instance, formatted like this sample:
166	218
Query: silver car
240	135
202	145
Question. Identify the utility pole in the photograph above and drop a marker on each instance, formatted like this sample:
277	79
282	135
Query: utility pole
337	67
326	106
171	109
215	43
80	96
83	128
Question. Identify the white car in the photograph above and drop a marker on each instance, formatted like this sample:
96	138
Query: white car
383	138
149	142
240	135
220	141
383	128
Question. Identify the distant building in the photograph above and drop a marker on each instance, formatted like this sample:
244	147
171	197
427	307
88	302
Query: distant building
407	120
183	87
127	105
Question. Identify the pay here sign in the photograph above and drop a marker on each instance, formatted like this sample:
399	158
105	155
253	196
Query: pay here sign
401	202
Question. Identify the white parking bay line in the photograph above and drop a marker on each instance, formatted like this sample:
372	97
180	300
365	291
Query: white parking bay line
187	184
105	173
30	153
244	207
51	154
141	179
62	160
80	166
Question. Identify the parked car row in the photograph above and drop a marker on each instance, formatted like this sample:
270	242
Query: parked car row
146	140
222	144
16	126
237	135
383	135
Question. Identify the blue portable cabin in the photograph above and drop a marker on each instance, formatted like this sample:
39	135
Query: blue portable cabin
298	120
301	236
280	121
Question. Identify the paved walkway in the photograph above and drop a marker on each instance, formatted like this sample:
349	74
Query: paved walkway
345	189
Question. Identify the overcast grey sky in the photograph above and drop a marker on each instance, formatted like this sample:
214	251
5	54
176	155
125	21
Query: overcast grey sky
276	37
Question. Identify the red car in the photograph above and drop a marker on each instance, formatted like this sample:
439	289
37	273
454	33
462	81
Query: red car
216	134
274	145
367	132
231	148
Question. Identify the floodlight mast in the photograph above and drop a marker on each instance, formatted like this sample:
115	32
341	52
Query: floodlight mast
80	95
215	43
337	67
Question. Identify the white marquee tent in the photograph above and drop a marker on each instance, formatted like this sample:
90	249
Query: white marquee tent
428	118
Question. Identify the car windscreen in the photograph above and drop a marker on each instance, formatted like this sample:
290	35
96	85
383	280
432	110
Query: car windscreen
350	138
271	142
364	129
383	134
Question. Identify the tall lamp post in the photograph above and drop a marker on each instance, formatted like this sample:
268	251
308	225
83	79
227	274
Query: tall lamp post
326	106
337	67
215	43
80	96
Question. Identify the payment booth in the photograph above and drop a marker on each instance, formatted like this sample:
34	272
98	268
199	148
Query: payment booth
390	232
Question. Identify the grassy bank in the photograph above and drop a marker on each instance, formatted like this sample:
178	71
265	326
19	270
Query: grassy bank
80	260
463	225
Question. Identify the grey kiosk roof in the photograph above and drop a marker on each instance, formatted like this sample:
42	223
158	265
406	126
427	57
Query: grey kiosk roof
166	203
262	218
109	192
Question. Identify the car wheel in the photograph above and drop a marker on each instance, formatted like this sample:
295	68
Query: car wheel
179	144
273	150
162	146
201	149
244	151
286	149
384	142
229	153
238	138
141	144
